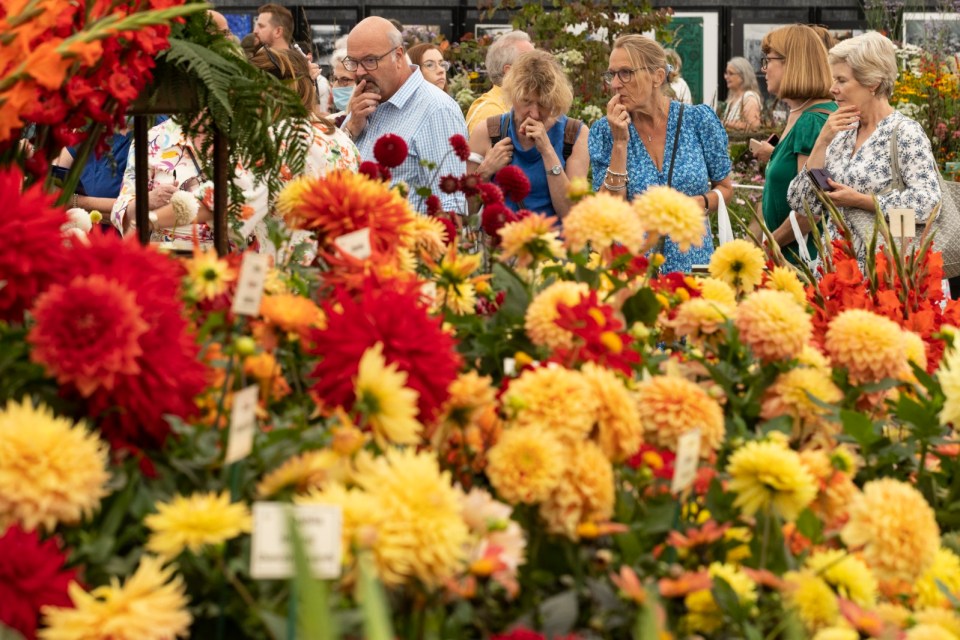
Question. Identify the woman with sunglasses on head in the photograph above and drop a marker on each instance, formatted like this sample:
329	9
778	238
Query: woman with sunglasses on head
795	63
432	65
646	139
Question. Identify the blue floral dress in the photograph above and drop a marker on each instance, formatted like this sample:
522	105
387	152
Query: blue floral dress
702	157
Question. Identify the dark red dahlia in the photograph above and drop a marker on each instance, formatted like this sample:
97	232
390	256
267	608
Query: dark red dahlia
490	193
450	184
411	338
460	146
434	206
32	576
390	150
375	171
449	225
33	255
514	183
470	184
493	217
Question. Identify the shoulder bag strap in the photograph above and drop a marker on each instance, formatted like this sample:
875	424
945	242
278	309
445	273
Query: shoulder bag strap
676	143
896	177
827	112
570	133
493	129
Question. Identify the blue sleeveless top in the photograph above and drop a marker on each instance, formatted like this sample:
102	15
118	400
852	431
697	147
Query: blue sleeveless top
531	162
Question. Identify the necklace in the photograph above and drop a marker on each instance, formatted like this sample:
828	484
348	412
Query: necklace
800	108
650	135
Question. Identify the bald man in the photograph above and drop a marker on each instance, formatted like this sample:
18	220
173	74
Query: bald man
392	96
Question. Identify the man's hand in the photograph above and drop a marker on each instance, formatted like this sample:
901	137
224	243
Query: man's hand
362	104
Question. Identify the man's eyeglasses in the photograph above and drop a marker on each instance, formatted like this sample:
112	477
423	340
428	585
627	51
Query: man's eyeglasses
370	63
765	61
443	64
625	75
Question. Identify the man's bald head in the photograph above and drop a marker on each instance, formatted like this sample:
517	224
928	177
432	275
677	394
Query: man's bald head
378	42
377	28
219	21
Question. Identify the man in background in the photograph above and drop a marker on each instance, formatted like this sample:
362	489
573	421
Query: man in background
500	57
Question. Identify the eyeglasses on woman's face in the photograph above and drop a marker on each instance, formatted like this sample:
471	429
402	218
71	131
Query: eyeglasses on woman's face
625	75
433	64
370	63
344	81
765	61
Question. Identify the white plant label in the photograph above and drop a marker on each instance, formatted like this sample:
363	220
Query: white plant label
271	548
253	274
243	424
356	243
688	459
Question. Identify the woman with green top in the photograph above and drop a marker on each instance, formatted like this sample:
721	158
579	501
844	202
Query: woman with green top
795	62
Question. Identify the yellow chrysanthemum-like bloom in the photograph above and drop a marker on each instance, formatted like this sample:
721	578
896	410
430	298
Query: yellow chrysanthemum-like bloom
193	522
261	366
291	312
540	322
835	479
869	346
620	433
698	319
469	395
945	569
670	406
303	472
291	197
558	399
425	234
360	512
795	393
585	492
847	574
384	398
837	633
717	291
928	632
941	617
704	615
769	477
421	534
813	358
916	349
530	240
739	263
667	212
600	221
207	275
896	529
785	279
525	465
51	470
949	377
773	325
812	599
152	605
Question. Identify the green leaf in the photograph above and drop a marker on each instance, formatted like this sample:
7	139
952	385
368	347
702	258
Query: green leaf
373	599
859	427
311	596
726	598
810	526
6	633
647	625
783	424
559	613
642	306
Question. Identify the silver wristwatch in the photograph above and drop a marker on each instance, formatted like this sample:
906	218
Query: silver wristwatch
556	170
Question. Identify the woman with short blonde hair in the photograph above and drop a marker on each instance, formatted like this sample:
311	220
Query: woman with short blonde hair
537	73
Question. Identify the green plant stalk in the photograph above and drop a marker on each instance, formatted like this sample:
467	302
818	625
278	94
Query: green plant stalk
765	544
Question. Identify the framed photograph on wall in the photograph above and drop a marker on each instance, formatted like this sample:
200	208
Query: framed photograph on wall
492	30
696	40
752	38
933	30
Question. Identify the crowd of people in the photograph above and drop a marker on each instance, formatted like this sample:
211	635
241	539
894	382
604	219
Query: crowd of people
837	96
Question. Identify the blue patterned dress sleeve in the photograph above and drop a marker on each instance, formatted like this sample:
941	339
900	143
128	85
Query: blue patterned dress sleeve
600	146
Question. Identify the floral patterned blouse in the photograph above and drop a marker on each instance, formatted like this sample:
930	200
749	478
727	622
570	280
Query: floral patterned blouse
869	170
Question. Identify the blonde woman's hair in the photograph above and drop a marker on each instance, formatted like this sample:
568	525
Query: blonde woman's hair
537	73
872	58
292	66
673	59
806	74
743	69
645	54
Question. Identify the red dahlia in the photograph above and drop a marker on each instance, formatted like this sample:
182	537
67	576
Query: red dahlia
31	576
412	339
490	193
599	335
493	218
33	252
470	184
390	150
375	171
434	206
514	183
460	146
450	184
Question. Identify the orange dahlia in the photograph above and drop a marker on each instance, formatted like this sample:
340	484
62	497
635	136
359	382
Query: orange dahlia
585	492
291	312
525	465
559	399
869	346
773	325
671	406
343	201
798	394
542	314
619	431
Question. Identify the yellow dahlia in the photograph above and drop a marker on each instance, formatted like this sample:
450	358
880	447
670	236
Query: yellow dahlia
698	319
895	528
469	395
837	633
773	325
945	570
813	358
152	605
796	393
193	522
717	291
456	288
949	376
895	615
525	465
835	480
585	492
739	263
670	406
847	574
785	279
540	322
916	349
426	235
52	471
530	240
667	212
291	312
812	599
421	534
558	399
383	397
361	514
869	346
600	221
619	432
291	197
704	614
940	617
928	632
303	472
207	275
767	476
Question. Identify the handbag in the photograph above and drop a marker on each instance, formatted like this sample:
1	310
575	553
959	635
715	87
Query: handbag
947	222
724	227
